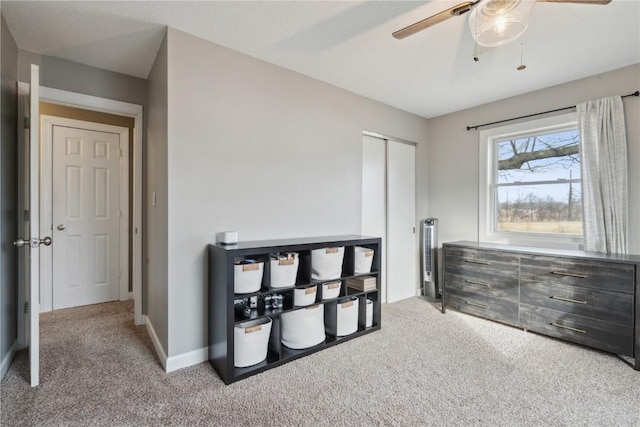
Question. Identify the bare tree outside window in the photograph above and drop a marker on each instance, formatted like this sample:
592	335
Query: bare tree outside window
537	183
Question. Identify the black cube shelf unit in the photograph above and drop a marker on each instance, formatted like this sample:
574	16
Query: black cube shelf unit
223	316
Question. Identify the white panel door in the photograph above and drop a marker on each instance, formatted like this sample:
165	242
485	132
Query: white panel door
374	198
34	226
86	211
401	221
29	224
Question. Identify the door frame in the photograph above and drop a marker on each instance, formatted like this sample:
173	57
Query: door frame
46	201
23	274
104	105
385	140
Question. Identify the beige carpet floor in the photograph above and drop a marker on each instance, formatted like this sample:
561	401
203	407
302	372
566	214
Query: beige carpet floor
421	368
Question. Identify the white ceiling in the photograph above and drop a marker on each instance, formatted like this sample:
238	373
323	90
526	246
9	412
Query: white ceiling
345	43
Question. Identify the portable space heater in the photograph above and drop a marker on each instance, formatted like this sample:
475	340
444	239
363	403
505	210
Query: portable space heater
430	258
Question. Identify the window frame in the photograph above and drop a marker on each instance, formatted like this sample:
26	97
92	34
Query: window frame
487	218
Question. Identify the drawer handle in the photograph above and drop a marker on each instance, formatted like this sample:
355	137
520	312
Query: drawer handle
475	261
557	325
566	273
475	282
475	304
575	301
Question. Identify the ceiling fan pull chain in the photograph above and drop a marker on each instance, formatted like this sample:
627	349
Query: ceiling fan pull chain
521	66
475	48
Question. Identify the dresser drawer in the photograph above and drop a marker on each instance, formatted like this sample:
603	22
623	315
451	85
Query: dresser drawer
607	276
499	309
602	305
493	262
594	333
484	272
482	282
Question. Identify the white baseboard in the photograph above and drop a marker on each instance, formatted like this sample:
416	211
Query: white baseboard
173	363
185	360
156	343
8	358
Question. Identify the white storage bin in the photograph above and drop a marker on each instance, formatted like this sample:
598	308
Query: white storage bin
251	342
363	258
305	296
284	272
344	317
303	328
369	314
247	278
326	263
331	289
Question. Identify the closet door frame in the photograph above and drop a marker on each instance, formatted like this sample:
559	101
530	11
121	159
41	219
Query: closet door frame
377	212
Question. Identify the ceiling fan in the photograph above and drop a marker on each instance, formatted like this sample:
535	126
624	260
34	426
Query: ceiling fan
492	22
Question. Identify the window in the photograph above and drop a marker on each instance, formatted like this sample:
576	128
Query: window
530	186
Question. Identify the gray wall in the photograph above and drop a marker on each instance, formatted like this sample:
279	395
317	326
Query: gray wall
156	263
8	192
74	77
453	151
261	150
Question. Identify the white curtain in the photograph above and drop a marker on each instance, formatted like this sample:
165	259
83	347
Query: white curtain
603	154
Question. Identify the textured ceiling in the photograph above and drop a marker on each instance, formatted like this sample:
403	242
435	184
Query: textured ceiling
347	44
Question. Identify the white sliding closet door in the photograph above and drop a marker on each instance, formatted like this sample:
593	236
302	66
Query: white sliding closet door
388	211
401	221
374	196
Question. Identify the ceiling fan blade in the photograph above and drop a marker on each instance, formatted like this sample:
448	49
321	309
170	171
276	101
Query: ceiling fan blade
435	19
598	2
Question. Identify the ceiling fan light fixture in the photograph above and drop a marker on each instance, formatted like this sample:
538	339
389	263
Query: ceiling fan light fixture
497	22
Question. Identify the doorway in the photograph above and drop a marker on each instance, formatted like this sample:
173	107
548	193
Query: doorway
91	104
29	97
84	207
389	210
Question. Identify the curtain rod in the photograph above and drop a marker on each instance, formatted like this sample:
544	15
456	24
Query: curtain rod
636	93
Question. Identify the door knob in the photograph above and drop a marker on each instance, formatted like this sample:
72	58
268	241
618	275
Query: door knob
33	242
46	241
20	242
61	227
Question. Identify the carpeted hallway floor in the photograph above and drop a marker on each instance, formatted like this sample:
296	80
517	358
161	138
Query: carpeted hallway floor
422	368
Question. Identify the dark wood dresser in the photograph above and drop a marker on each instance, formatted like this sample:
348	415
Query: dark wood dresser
587	298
